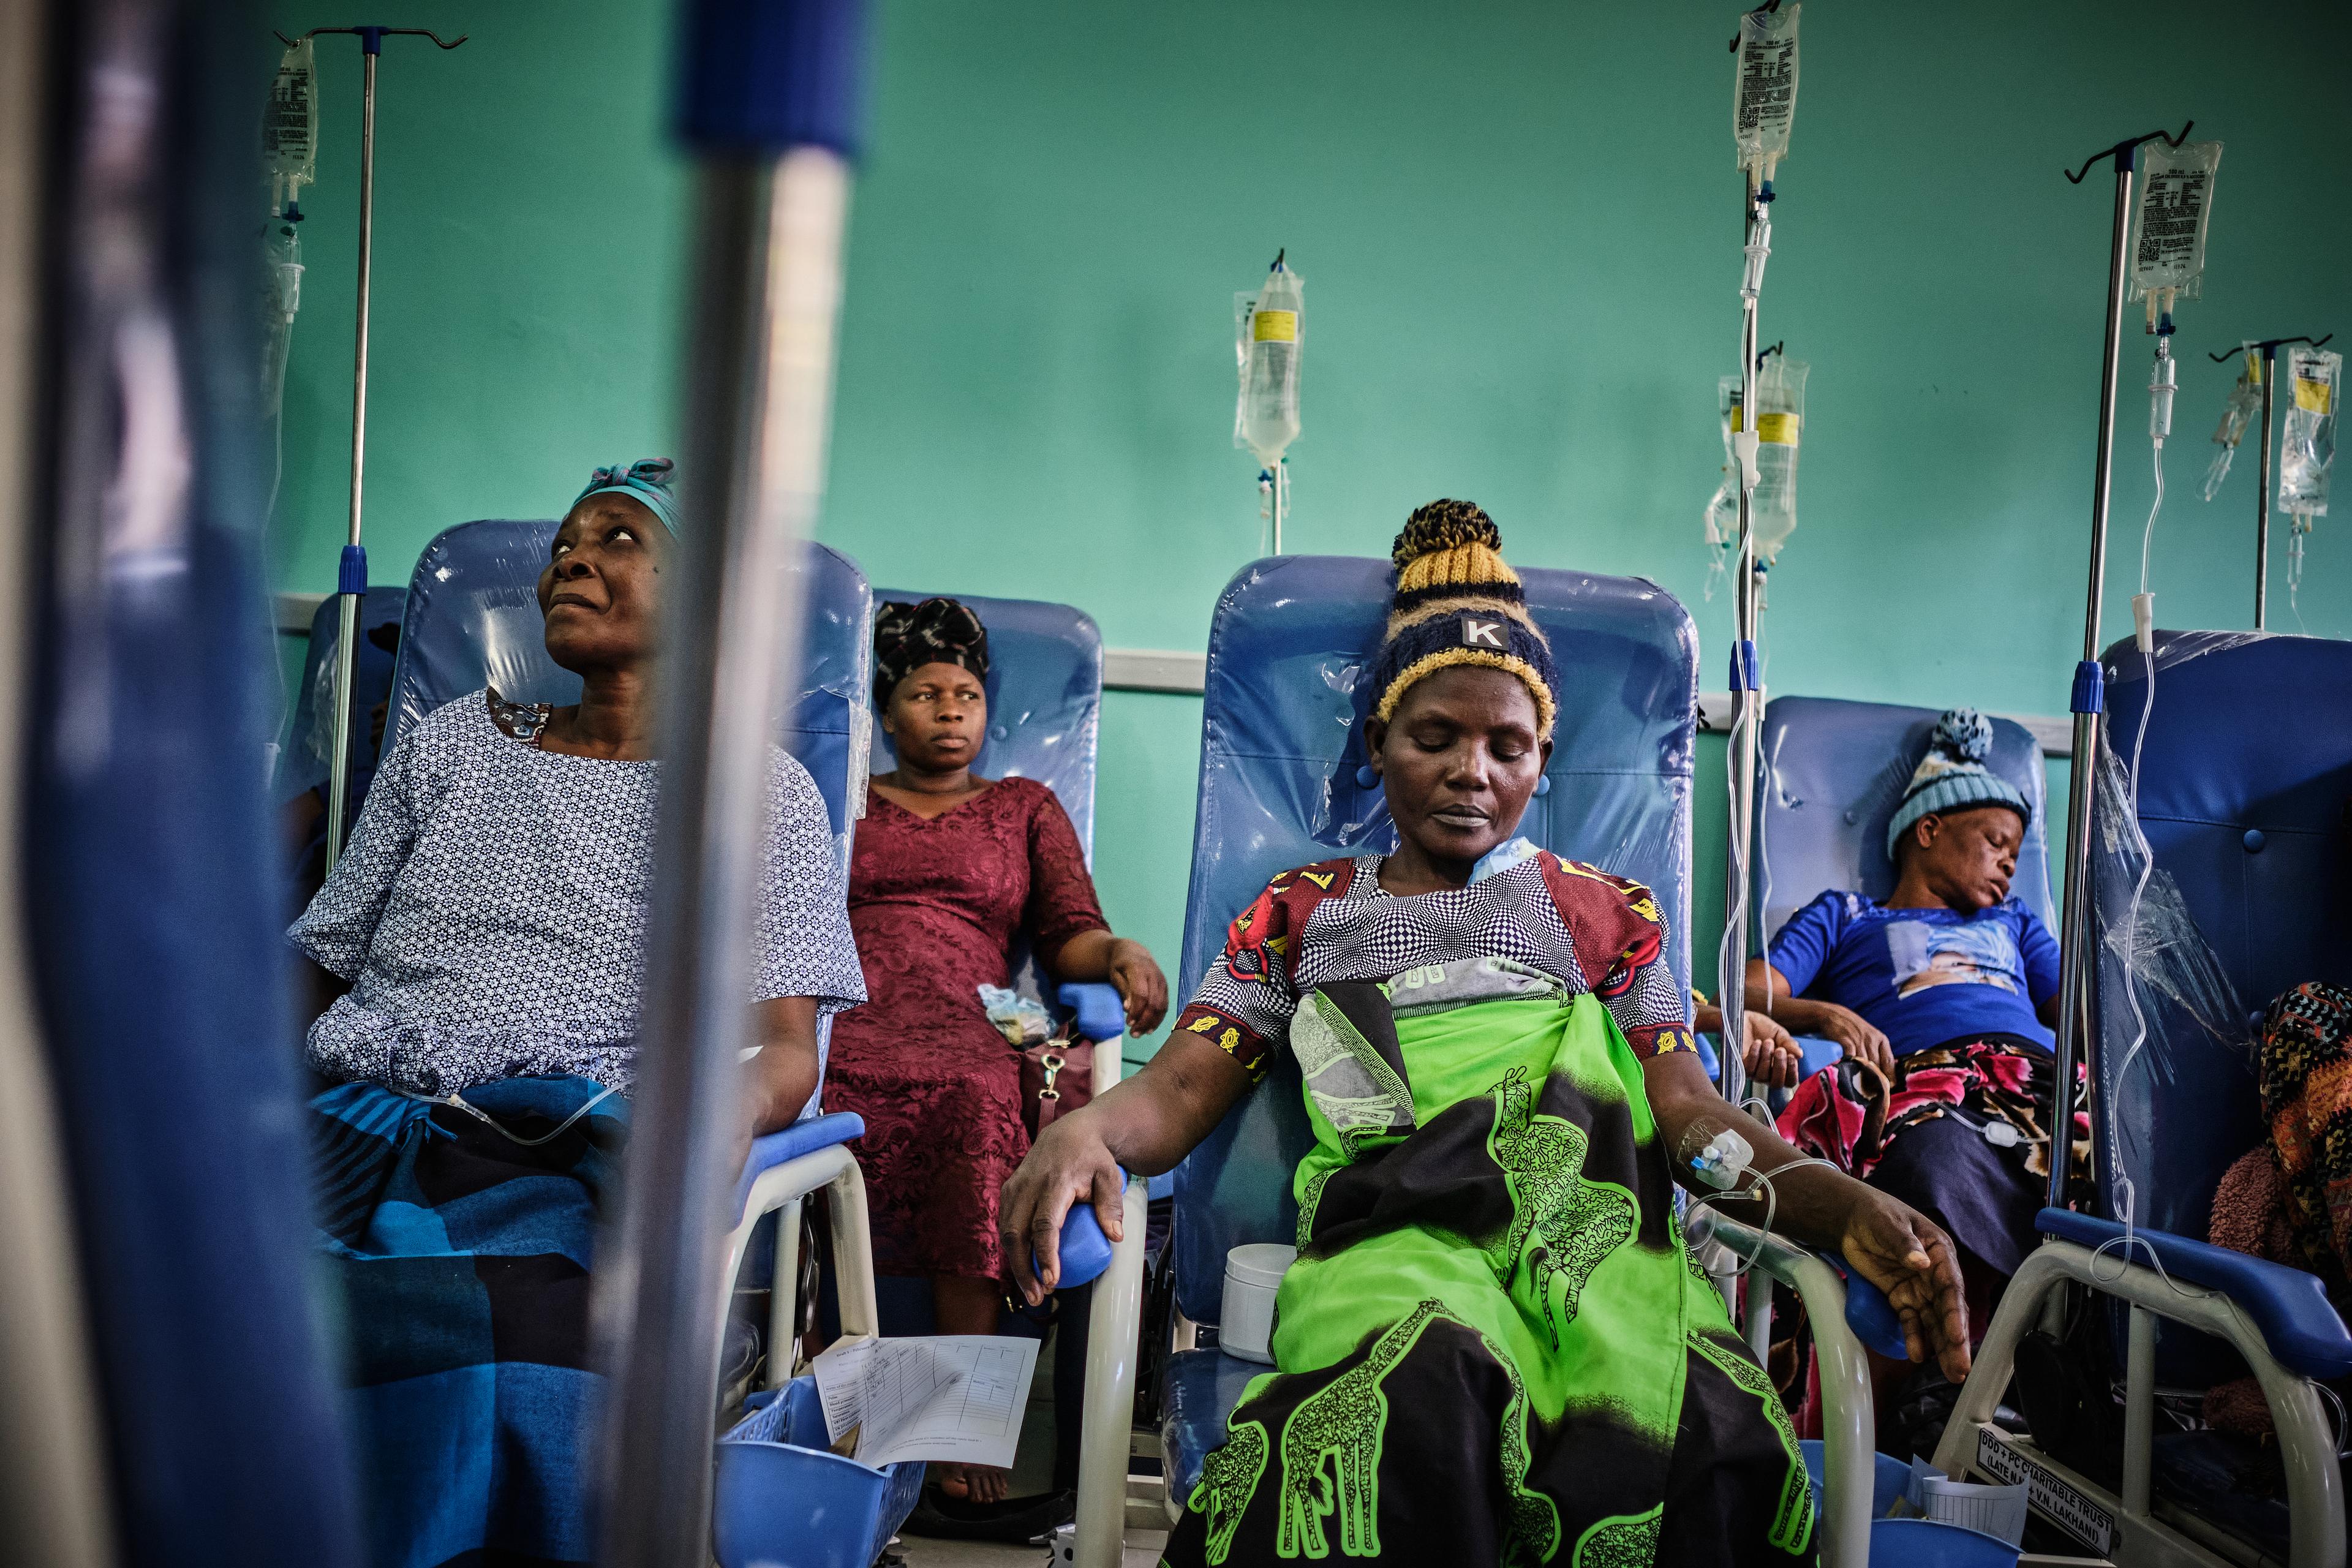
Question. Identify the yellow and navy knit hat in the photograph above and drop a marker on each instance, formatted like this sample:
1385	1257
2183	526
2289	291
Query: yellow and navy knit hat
1458	603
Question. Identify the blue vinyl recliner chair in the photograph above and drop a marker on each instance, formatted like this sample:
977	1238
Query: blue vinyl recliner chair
1834	774
2244	780
473	616
1289	652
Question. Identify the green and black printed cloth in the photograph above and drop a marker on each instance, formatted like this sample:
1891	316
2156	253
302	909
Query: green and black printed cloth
1492	1347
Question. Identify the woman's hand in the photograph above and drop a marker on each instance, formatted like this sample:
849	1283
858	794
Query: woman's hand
1069	1163
1771	1054
1141	984
1853	1035
1900	1250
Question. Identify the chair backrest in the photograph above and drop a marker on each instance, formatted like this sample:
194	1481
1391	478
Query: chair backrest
1044	698
473	616
1289	655
2245	782
1834	774
307	755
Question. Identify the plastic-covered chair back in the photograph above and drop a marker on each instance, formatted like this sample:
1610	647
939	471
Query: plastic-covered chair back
1834	774
473	617
1044	698
1290	651
308	755
2244	788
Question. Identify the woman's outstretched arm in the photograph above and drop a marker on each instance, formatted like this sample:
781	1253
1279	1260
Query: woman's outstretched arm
1896	1248
1145	1123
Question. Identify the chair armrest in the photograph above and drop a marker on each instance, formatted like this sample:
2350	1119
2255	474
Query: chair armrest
1086	1251
1101	1016
1819	1053
1868	1313
2289	1307
805	1136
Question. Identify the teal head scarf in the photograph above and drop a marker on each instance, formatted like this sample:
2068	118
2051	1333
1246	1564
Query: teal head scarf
647	480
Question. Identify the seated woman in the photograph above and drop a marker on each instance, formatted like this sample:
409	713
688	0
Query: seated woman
1942	998
481	940
951	871
1493	1348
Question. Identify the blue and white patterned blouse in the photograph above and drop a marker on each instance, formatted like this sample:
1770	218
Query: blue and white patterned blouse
491	911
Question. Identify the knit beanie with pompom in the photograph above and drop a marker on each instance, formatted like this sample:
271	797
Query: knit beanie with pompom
1952	776
1457	602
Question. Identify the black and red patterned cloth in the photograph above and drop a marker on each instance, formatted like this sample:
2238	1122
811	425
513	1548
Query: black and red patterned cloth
1333	920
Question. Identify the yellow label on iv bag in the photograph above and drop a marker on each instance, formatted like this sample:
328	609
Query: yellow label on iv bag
1777	429
2314	396
1275	327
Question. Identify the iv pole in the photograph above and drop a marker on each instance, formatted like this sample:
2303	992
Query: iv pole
2268	348
770	112
352	575
2090	684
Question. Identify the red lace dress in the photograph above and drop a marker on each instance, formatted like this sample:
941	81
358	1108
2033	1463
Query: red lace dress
938	907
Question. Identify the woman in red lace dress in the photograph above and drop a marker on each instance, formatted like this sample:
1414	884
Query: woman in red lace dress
952	869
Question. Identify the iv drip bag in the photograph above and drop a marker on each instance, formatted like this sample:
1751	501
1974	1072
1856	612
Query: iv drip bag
2238	414
1270	331
2308	436
2176	201
290	127
1779	420
1764	90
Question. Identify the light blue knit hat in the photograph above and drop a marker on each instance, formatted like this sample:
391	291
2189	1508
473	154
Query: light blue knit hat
1952	776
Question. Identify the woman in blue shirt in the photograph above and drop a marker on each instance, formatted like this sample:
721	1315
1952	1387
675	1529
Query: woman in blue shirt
1943	997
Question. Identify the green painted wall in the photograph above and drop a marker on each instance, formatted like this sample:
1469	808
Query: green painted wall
1519	227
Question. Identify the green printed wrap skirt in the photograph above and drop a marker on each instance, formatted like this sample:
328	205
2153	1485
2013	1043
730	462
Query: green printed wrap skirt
1493	1348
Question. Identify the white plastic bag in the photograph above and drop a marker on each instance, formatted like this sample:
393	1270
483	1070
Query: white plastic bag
1764	88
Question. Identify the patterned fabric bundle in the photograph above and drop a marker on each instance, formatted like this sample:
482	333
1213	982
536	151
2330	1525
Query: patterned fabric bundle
937	631
2306	1082
646	481
459	1254
1458	603
1493	1348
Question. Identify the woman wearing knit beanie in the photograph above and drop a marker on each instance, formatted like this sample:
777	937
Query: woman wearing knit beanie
1492	1347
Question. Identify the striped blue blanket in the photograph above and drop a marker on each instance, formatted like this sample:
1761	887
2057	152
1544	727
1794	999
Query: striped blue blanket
460	1258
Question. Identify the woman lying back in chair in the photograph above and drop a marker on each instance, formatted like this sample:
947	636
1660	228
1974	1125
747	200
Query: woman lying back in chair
481	942
1492	1347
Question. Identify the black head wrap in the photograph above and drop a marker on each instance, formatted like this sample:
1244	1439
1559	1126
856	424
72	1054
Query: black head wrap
937	631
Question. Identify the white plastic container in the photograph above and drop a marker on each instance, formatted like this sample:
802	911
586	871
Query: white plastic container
1252	1276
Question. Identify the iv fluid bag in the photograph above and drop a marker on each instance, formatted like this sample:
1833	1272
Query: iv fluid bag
290	126
2245	406
1764	90
2308	436
1779	420
2176	200
1271	334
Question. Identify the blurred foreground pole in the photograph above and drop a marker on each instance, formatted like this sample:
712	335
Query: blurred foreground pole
769	112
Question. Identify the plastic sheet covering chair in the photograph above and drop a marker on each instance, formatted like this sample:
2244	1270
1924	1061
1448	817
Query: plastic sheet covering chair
2245	773
473	617
158	959
306	757
1289	651
1834	774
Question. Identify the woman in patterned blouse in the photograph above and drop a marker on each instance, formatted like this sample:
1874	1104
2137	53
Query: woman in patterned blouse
1492	1347
477	953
